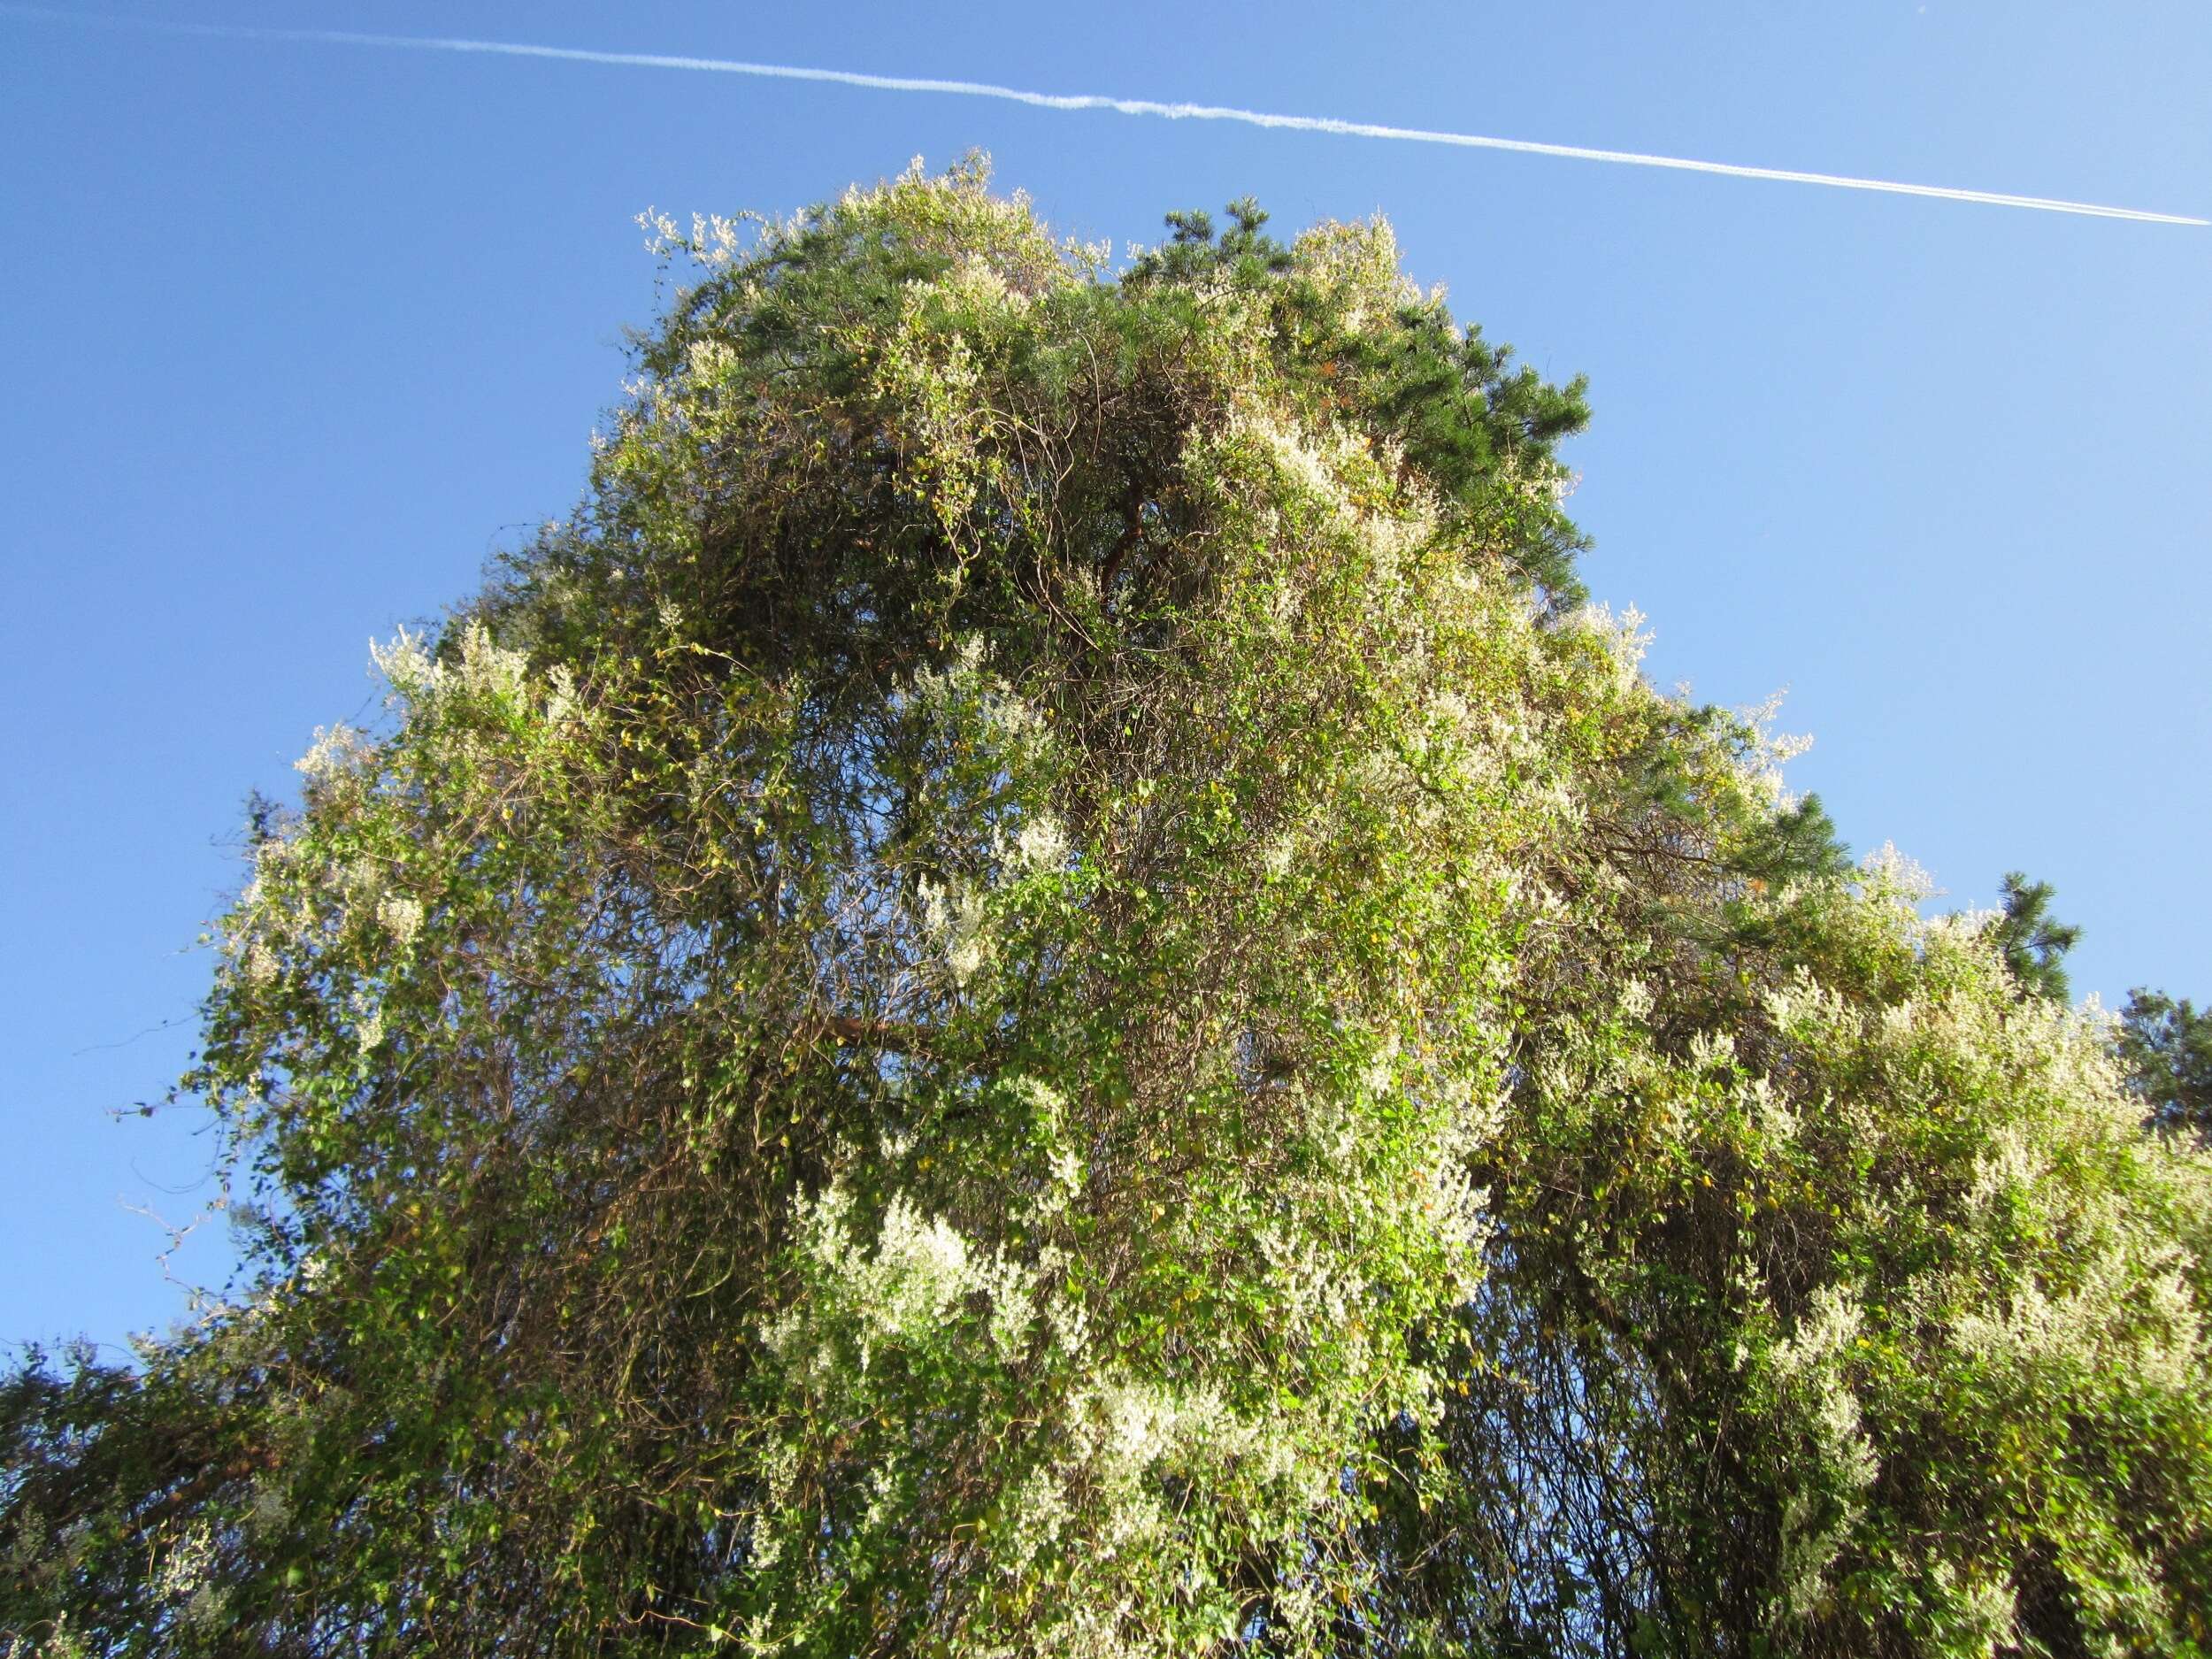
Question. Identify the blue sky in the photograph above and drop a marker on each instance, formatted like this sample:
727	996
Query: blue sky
296	335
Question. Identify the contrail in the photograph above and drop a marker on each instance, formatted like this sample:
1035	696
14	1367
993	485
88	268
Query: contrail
1091	101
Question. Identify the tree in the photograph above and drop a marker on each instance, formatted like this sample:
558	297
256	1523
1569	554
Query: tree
1039	990
2164	1047
2167	1049
2032	941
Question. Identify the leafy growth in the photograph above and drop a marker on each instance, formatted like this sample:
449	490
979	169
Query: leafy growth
1038	989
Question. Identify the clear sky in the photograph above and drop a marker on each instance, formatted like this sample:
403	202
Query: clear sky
296	335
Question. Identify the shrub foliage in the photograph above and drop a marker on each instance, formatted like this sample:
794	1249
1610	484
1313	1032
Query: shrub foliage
1040	988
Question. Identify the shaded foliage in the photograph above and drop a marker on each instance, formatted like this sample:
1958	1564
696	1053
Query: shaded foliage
2166	1048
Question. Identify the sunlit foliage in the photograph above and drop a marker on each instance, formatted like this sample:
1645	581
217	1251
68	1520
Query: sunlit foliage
1038	988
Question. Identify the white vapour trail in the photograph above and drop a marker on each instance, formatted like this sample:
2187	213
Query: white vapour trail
1091	101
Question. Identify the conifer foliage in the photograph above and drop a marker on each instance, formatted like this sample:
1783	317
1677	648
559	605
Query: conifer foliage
1040	989
2166	1047
2032	941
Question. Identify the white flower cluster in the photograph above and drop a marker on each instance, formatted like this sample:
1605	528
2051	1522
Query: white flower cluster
1048	1116
185	1576
1358	261
714	240
368	1022
1299	459
904	1289
2120	1318
709	361
1542	481
402	662
1768	751
1886	874
966	690
486	668
952	918
561	703
1809	1365
401	916
338	751
1624	638
1043	845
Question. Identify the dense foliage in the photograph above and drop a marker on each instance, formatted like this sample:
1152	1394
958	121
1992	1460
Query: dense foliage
2163	1046
2166	1047
1038	989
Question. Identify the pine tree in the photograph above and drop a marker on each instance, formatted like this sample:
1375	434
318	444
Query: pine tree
2167	1049
2032	941
1038	989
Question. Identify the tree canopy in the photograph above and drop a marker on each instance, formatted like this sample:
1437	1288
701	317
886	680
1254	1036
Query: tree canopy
2166	1048
1041	988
